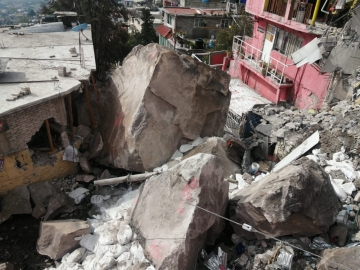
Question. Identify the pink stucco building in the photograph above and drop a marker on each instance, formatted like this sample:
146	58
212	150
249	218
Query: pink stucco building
263	61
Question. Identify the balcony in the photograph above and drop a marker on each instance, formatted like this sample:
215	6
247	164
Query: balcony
260	71
277	7
300	12
259	61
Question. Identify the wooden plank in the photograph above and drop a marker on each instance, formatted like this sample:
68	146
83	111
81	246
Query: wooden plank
49	135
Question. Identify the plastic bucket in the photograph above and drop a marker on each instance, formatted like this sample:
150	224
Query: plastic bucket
254	167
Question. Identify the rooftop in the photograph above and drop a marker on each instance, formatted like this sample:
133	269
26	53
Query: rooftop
192	11
34	59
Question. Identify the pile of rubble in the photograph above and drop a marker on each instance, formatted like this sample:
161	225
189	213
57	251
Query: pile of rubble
279	190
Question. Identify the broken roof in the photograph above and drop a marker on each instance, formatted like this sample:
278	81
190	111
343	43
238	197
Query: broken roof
34	60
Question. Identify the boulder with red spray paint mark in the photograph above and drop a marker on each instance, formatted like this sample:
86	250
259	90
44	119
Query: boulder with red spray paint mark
155	102
166	216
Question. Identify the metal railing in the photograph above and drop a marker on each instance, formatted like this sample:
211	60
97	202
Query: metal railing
206	58
301	12
277	7
259	60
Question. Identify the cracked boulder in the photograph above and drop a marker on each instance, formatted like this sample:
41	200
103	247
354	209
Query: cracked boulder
173	229
298	199
347	257
157	100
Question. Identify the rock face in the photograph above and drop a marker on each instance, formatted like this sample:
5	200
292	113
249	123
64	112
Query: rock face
155	100
298	199
59	203
16	202
219	148
172	229
57	237
40	194
348	257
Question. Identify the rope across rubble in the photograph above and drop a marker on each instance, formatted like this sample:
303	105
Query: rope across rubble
251	229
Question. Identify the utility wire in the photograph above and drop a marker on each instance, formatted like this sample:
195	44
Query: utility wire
269	236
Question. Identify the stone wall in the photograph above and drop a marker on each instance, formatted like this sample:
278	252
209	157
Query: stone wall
25	123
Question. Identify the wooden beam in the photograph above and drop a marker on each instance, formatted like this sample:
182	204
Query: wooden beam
96	92
88	102
71	117
49	135
123	179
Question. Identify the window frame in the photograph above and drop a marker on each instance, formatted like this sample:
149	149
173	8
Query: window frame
222	25
198	24
169	19
289	43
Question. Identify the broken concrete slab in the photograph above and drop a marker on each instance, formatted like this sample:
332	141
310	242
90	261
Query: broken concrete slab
218	147
56	238
16	202
59	203
176	230
346	256
146	120
86	178
40	194
298	199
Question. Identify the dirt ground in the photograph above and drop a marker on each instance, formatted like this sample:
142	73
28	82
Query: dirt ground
18	246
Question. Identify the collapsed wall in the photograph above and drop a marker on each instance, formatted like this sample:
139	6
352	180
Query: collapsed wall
157	100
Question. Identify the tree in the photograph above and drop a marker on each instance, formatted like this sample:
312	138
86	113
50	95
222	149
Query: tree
241	27
31	13
109	38
147	34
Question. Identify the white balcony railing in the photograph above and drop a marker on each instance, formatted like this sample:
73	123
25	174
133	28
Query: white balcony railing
206	58
259	60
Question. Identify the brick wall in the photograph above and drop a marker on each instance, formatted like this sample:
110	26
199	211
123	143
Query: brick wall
25	123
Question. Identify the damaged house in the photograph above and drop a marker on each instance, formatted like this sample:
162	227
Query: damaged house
283	59
40	72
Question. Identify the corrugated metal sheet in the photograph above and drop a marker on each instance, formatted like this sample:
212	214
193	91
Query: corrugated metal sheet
310	53
298	151
164	31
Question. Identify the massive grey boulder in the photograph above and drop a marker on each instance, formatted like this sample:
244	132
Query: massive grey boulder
157	100
172	228
298	199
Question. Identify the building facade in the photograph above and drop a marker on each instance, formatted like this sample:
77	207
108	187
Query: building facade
191	23
264	61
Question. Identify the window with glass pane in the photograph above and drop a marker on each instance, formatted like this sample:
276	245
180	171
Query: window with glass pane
198	23
225	23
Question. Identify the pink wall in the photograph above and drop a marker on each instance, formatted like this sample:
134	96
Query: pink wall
217	58
310	86
256	8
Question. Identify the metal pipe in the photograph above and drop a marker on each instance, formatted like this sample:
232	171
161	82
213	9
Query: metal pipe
316	11
322	9
122	179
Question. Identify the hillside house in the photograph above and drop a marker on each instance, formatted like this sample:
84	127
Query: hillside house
192	23
264	61
42	74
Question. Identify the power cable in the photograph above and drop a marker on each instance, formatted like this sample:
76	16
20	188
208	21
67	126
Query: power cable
251	229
